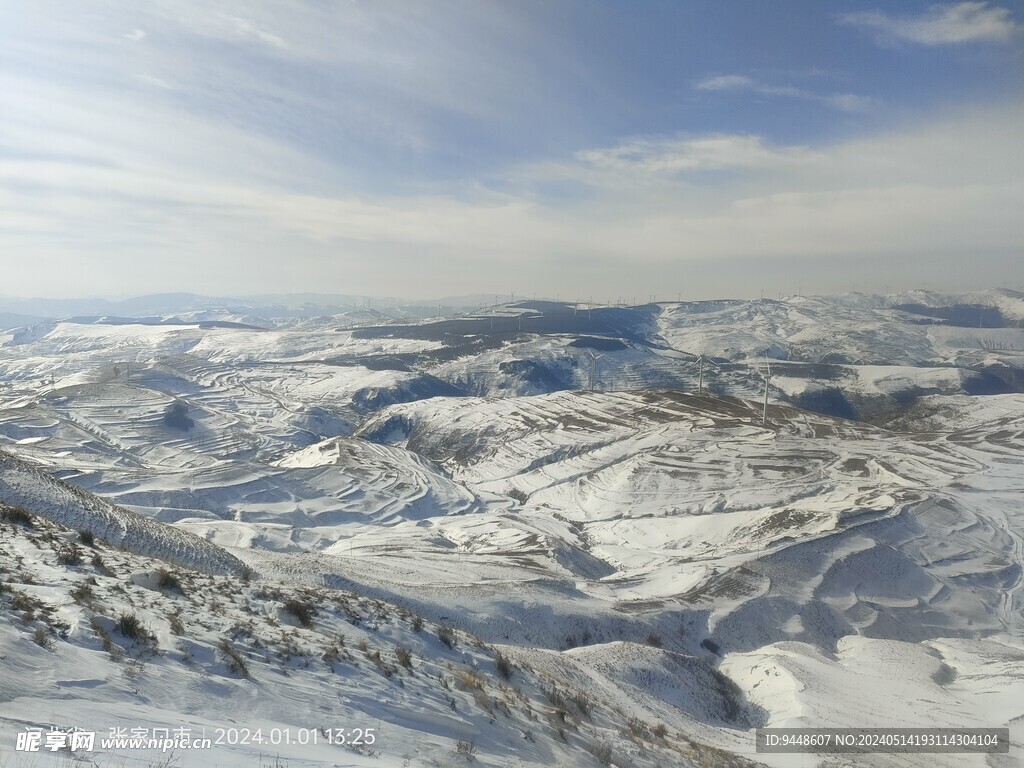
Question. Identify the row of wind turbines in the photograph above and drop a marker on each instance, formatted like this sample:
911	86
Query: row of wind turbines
700	363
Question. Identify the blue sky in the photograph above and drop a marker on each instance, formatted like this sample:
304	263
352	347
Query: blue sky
570	148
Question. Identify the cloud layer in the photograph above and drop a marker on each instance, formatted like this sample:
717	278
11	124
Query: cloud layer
740	84
384	149
970	22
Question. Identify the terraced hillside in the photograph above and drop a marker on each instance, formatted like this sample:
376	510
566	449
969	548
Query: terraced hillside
578	496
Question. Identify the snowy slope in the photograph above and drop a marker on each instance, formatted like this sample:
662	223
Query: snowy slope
26	487
648	552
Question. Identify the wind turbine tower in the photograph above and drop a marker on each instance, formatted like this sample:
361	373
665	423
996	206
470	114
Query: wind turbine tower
700	371
767	378
593	368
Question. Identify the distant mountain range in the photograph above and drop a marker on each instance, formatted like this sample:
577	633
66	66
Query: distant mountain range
15	312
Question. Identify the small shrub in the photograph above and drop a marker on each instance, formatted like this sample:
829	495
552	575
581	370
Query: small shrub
129	625
70	555
637	727
582	703
233	660
101	566
302	611
167	580
404	657
87	538
463	747
134	668
503	665
471	680
16	516
446	636
555	697
333	653
40	638
115	651
484	702
417	624
177	627
654	640
83	593
660	730
22	602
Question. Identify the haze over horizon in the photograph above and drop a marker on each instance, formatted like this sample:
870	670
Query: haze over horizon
576	149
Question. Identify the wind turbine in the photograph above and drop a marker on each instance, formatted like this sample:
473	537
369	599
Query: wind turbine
593	367
700	360
767	378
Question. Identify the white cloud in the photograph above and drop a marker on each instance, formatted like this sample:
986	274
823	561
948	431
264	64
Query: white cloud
175	201
846	102
969	22
849	102
721	152
126	185
725	83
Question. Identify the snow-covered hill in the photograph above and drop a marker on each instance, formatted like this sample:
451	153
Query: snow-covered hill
664	565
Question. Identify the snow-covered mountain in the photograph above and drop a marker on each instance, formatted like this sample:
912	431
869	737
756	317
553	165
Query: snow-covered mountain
534	534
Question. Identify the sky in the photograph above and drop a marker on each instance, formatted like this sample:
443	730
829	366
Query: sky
562	149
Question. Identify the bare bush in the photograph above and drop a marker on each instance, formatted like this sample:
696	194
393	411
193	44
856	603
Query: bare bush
130	626
169	581
471	680
233	660
503	665
446	636
177	627
83	593
301	610
16	516
404	657
42	638
69	555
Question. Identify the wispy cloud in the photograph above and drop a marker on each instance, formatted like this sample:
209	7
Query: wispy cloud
970	22
726	83
401	149
849	102
936	189
846	102
673	155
